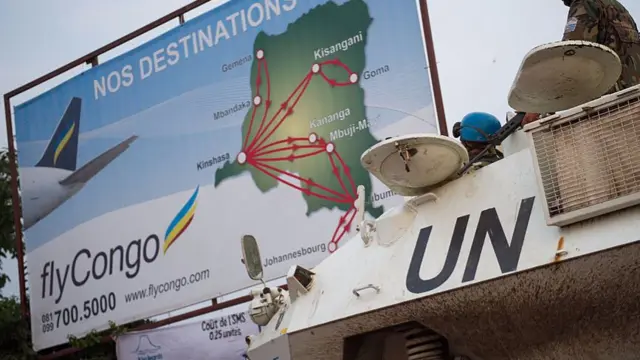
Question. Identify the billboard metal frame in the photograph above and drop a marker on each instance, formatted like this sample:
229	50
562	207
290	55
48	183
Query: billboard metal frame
92	59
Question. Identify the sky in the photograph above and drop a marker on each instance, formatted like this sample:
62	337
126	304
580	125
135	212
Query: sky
479	45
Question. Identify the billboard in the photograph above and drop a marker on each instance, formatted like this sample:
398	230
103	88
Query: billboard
139	176
220	337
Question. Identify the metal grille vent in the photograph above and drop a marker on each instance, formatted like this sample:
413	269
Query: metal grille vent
423	343
590	165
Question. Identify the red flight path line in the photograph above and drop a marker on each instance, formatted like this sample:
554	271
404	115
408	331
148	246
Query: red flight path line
348	219
267	103
343	220
253	114
336	239
290	157
306	82
338	63
334	82
283	106
301	189
288	140
293	148
337	175
257	145
347	172
310	183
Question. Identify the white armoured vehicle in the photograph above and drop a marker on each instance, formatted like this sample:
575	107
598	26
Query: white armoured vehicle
534	256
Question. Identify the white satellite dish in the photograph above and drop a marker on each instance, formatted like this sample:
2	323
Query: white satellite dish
562	75
413	164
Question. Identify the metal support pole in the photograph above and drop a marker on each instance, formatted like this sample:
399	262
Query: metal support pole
17	209
433	69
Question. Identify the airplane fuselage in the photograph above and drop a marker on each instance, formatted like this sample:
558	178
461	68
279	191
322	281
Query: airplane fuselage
42	193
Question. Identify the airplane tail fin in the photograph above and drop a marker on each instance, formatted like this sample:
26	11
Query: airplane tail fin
62	150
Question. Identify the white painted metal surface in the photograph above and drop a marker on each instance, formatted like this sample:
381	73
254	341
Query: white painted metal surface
411	163
272	343
489	188
561	75
486	225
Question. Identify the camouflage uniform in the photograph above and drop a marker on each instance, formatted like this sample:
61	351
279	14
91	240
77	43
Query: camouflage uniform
608	23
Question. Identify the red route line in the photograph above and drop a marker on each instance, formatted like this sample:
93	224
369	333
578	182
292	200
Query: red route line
306	82
290	157
347	171
288	140
336	239
335	171
334	82
341	221
347	83
267	104
310	183
307	191
283	106
338	63
293	148
253	114
257	145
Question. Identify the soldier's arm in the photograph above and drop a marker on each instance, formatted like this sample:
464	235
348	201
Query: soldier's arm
583	21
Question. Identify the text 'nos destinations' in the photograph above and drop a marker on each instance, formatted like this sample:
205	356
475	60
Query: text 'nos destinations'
190	45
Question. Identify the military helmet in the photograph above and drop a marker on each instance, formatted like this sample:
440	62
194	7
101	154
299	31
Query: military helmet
478	127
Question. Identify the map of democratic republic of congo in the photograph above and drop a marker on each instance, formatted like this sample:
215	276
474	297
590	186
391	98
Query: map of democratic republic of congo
303	78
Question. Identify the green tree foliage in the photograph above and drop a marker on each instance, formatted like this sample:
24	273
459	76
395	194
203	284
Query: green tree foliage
15	332
7	233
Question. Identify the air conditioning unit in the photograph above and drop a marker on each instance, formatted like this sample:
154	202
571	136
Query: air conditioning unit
587	159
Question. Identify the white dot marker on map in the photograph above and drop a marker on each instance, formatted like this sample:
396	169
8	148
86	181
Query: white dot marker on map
333	247
330	148
353	78
257	100
260	54
242	157
315	68
313	138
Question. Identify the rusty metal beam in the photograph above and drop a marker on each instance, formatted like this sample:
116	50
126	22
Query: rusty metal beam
433	68
110	46
17	209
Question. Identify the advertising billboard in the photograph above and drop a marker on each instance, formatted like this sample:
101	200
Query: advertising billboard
220	337
139	176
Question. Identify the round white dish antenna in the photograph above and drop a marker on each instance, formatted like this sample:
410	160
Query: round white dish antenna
413	164
563	75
